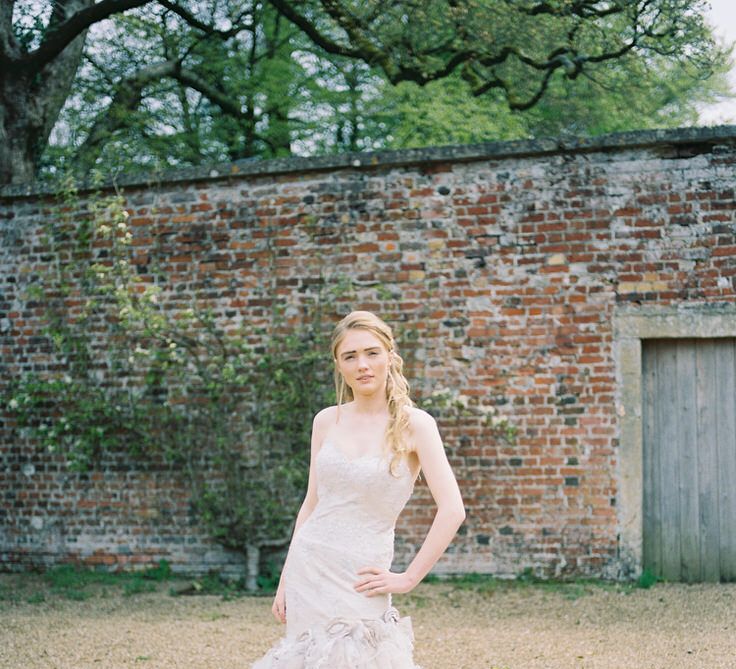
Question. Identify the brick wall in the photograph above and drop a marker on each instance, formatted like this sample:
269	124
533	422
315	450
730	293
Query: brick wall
506	261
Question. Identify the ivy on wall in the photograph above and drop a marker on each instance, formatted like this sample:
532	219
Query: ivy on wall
135	375
171	385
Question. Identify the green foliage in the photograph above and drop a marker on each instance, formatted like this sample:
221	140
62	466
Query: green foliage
646	579
36	598
76	582
137	586
631	93
161	572
79	583
269	580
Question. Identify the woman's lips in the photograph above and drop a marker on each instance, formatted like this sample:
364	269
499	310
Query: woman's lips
365	378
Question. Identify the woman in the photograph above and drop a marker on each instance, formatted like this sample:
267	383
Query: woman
335	589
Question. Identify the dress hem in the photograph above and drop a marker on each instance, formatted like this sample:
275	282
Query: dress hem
347	643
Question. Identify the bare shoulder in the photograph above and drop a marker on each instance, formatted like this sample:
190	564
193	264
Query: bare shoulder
322	421
422	425
419	418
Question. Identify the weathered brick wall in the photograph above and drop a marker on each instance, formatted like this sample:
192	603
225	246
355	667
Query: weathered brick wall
506	260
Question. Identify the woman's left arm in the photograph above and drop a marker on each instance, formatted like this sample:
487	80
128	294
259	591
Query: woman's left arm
450	513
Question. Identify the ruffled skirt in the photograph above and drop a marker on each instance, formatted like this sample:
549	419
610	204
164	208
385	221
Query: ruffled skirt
344	643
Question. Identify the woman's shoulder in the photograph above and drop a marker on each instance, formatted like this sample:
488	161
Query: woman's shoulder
325	416
421	422
419	416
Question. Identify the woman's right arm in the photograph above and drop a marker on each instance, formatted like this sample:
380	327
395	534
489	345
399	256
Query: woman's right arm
319	429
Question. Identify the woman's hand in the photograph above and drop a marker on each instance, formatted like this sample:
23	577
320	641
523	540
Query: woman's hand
377	581
279	605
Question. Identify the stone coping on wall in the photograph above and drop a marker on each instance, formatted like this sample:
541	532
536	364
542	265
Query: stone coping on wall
679	141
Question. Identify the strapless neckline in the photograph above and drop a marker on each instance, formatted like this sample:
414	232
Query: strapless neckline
365	456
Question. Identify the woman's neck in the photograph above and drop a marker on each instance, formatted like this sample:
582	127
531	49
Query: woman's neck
370	408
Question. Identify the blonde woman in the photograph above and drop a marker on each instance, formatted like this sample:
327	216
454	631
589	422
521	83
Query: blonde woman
366	452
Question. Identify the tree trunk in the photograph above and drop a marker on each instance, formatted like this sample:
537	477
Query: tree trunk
30	102
253	559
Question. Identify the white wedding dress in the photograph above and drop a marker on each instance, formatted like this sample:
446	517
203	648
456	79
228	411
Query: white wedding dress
328	624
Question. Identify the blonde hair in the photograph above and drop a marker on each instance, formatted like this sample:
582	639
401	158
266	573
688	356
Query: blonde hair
397	387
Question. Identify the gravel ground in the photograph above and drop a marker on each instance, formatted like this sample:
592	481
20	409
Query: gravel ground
505	626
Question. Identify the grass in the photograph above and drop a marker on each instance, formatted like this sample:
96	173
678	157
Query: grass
485	584
81	583
213	584
78	584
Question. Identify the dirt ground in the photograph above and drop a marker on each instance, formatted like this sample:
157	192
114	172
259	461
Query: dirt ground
513	626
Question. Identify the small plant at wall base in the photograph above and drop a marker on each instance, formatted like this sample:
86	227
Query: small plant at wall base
234	418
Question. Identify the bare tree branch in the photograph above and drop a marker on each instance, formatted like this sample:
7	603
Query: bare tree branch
126	99
200	25
284	7
585	9
61	35
215	94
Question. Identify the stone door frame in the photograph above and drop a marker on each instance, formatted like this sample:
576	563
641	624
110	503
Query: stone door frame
631	324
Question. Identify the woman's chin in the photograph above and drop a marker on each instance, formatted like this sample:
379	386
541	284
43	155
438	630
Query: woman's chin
365	389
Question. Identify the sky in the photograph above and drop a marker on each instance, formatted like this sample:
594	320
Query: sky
723	16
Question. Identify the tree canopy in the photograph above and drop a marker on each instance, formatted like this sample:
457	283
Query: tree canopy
145	83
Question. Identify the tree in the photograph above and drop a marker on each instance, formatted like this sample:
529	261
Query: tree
631	93
515	48
332	103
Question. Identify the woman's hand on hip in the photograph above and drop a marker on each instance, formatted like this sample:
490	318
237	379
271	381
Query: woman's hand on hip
377	581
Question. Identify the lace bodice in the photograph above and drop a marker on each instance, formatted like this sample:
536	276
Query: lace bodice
358	498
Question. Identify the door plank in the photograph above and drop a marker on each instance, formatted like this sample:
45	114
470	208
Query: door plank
707	369
669	467
726	410
685	385
652	517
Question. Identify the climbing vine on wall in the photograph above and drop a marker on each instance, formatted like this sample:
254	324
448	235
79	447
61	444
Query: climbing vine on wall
139	376
229	407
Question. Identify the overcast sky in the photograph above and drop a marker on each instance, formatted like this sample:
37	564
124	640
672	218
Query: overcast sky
723	17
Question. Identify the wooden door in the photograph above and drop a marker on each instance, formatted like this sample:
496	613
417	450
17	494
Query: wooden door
689	441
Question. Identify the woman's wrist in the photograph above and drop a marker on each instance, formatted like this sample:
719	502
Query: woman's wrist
413	579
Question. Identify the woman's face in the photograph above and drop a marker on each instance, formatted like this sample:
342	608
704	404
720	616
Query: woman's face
363	362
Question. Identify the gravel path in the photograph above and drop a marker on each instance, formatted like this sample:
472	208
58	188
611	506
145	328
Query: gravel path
503	626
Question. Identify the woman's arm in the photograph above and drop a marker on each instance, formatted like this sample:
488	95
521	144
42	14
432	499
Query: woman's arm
450	513
446	493
310	498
